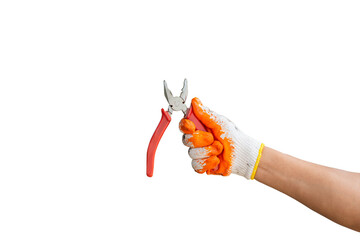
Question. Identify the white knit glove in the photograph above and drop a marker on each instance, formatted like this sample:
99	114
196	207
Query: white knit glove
224	149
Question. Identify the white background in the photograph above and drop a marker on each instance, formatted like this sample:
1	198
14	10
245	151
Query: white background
81	92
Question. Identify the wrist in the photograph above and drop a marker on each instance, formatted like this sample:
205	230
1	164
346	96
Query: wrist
265	164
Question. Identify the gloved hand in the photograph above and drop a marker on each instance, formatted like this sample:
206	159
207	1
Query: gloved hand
224	149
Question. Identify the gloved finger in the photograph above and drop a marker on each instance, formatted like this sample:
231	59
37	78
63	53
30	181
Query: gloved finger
222	128
204	114
198	139
186	126
206	164
205	152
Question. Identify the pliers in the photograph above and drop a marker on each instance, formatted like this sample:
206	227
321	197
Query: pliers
175	104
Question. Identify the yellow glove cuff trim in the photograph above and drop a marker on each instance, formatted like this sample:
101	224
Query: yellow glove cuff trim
257	161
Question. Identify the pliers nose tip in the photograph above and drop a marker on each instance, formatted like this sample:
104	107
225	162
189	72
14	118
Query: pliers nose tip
167	93
184	91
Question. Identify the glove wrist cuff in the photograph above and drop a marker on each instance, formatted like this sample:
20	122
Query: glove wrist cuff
247	154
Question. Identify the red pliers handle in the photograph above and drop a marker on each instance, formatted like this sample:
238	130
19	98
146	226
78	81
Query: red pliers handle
175	104
154	142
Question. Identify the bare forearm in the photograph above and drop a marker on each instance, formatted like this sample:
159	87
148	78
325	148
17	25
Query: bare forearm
332	193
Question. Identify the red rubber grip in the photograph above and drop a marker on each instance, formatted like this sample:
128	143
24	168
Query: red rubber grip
154	142
191	116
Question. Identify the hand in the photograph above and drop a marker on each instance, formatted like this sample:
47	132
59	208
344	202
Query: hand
224	149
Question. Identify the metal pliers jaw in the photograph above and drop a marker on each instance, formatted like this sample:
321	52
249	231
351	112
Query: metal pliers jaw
175	104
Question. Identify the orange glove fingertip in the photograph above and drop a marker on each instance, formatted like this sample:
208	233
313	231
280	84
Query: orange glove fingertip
203	113
186	126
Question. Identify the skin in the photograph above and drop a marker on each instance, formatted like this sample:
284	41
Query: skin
331	192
